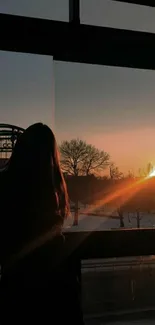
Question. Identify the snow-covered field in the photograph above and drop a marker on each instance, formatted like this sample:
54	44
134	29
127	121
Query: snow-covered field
90	223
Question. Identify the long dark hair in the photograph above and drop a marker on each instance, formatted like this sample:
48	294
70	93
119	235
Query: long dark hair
38	198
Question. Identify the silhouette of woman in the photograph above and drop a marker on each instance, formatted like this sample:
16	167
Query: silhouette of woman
39	281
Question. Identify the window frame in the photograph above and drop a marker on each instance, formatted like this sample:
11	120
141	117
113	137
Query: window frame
78	42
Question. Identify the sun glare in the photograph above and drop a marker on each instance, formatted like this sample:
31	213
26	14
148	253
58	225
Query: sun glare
152	174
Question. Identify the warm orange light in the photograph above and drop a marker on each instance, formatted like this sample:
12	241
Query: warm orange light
152	174
125	193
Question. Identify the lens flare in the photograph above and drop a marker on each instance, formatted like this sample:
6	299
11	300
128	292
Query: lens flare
152	174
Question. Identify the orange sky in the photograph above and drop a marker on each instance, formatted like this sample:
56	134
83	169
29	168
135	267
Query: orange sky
130	150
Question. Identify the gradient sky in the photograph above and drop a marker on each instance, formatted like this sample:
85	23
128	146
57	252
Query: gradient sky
112	108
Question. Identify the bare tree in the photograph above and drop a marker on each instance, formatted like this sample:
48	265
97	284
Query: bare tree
114	172
73	153
150	168
121	217
79	158
96	161
138	218
146	171
130	175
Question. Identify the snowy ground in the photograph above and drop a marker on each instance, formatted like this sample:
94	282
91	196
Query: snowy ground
90	223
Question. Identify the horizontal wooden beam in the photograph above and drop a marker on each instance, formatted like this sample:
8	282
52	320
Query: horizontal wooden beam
112	243
82	43
149	3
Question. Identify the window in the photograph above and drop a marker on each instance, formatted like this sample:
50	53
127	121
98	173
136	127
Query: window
122	287
81	93
26	92
112	109
26	95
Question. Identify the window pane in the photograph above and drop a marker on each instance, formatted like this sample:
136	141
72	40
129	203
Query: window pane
50	9
26	92
119	291
119	15
112	109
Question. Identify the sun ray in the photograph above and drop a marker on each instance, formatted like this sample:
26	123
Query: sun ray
152	174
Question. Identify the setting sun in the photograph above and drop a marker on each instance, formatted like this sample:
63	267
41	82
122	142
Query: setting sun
152	174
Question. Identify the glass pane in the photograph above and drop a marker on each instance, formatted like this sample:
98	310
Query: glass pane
48	9
112	109
27	90
119	291
119	15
